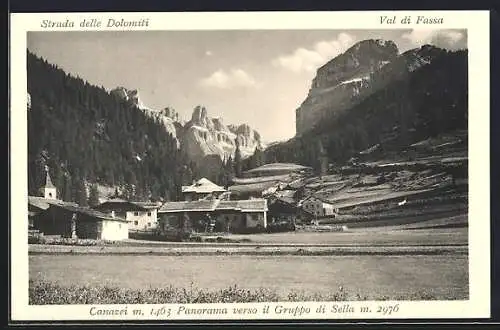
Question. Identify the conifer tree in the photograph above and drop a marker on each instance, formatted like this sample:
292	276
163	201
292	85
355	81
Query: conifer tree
237	159
66	191
93	196
95	133
82	199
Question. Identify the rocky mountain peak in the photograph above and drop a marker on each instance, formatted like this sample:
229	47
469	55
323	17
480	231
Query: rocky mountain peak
205	140
357	62
245	134
208	140
218	124
130	95
200	118
355	74
170	113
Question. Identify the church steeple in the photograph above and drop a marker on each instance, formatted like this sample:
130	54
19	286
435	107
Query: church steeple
49	190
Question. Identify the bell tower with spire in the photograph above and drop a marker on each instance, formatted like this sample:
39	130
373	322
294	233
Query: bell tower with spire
49	191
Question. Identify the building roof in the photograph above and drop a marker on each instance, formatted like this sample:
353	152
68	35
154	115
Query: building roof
201	206
48	181
132	205
246	205
88	211
203	186
255	205
44	203
147	205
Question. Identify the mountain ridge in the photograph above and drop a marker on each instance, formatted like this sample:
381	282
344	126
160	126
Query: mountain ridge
360	71
425	94
220	139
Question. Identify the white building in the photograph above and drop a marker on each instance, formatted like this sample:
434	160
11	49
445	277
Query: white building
141	216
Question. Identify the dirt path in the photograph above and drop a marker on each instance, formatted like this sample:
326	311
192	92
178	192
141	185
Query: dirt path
201	249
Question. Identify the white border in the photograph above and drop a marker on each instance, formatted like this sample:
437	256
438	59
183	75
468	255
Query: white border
477	25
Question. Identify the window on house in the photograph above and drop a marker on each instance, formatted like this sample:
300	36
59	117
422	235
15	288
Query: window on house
149	214
136	223
136	213
149	224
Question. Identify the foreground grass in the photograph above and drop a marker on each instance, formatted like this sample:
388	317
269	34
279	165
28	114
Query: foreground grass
48	293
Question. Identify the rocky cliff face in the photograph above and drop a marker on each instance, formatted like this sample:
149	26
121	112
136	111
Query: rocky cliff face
202	137
207	141
357	73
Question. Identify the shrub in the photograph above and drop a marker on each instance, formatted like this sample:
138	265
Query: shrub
48	293
68	241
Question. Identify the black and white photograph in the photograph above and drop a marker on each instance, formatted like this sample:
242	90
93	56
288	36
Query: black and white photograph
247	166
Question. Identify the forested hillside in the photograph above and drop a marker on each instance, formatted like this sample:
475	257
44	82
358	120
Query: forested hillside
85	136
433	99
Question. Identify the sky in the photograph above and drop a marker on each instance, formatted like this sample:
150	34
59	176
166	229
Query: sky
258	77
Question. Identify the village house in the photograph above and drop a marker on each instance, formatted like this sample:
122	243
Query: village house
318	207
216	215
282	210
238	216
72	221
38	204
141	216
201	189
49	215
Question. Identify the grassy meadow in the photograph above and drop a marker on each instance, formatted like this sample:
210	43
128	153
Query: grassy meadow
164	278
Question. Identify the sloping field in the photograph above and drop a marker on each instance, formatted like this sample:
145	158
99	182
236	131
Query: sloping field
370	236
345	200
281	178
447	222
252	187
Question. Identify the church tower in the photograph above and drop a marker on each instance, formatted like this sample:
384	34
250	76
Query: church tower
49	190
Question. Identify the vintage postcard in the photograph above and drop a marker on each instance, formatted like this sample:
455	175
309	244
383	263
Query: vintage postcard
248	166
